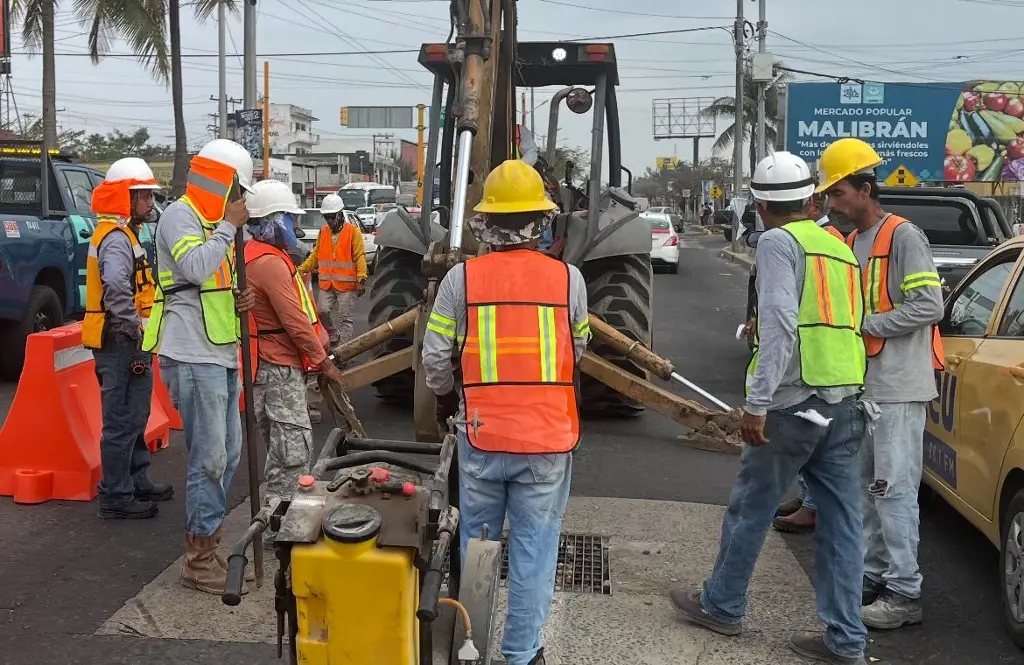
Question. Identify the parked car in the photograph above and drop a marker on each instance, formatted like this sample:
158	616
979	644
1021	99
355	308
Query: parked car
974	432
367	215
664	242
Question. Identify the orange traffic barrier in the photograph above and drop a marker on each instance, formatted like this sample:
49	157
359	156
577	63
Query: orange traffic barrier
162	396
50	441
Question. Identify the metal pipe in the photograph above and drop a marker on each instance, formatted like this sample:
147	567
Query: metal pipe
444	191
461	189
596	157
700	391
552	138
430	166
222	72
762	88
249	54
738	125
614	138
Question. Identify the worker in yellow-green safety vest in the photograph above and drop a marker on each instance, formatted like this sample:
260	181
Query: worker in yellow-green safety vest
801	414
195	330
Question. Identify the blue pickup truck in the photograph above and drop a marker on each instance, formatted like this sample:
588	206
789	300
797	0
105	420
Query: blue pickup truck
43	248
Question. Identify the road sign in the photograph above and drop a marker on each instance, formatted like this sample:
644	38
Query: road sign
685	193
377	117
901	176
716	192
666	162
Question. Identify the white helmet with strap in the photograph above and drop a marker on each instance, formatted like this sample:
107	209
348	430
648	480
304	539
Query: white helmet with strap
269	196
331	205
782	176
231	154
134	170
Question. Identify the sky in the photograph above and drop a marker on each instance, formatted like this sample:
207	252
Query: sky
881	40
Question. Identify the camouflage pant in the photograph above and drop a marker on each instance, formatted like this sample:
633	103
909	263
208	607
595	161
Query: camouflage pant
336	310
279	401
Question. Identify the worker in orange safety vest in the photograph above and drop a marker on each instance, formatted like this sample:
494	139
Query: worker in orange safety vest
340	260
518	320
119	293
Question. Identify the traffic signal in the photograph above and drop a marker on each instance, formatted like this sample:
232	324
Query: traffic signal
343	116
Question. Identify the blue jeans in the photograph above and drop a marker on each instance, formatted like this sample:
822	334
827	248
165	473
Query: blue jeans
805	494
533	491
125	401
828	457
206	396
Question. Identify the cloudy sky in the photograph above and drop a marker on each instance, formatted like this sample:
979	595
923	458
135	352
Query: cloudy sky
871	40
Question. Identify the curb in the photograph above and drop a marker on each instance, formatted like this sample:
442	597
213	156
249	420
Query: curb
741	258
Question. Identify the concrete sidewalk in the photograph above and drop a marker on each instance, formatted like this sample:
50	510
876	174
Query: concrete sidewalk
653	546
743	257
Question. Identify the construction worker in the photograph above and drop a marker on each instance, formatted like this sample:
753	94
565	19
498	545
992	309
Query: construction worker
119	292
801	413
340	261
195	330
903	294
286	339
519	320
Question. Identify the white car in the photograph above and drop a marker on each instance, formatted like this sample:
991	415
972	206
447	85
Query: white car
366	215
664	242
312	221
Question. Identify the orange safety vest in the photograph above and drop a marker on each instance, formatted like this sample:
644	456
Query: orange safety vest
336	267
253	250
518	361
95	322
875	277
834	231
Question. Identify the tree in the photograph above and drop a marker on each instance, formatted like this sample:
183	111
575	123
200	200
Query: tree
139	22
724	108
667	184
580	164
100	148
408	171
30	129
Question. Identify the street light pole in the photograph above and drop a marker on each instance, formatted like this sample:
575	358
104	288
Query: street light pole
738	126
762	88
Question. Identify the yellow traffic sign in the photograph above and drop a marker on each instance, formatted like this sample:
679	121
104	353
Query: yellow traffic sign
715	192
902	177
666	162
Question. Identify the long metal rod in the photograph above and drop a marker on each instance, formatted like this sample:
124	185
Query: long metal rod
430	165
461	188
222	72
739	124
700	391
249	54
596	156
552	138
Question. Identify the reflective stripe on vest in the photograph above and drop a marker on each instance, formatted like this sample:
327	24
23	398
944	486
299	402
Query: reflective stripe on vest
216	297
878	296
255	249
518	362
336	266
95	321
831	311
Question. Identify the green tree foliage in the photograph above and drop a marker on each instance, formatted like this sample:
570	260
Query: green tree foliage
667	184
100	148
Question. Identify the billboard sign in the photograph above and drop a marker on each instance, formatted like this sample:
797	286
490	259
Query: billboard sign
926	132
249	131
376	117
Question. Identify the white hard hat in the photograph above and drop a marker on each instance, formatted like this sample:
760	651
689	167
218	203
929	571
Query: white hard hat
132	168
231	154
782	176
270	196
332	204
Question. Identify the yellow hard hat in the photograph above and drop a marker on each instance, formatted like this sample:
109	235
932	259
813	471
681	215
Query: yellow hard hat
844	158
514	186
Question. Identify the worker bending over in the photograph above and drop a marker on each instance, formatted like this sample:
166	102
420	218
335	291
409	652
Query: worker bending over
194	328
340	262
519	321
119	292
286	340
903	294
801	414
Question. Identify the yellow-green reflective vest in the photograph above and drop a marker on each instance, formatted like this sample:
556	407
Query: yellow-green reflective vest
831	311
216	297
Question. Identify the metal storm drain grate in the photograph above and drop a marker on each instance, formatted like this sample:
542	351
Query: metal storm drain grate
583	565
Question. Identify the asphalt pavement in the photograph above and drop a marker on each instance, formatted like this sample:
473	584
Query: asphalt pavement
63	572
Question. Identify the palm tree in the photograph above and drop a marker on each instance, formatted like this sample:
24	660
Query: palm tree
724	109
139	22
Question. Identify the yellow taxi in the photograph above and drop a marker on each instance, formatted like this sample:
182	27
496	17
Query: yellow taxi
974	439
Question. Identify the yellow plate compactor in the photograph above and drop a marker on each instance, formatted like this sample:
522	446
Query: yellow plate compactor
364	547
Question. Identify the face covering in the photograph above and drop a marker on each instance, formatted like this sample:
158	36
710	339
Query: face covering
335	223
277	229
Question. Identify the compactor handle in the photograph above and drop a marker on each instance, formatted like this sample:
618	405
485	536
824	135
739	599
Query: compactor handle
431	589
236	576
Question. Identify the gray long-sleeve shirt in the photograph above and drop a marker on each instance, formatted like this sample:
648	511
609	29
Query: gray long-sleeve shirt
117	273
450	303
183	335
903	372
776	382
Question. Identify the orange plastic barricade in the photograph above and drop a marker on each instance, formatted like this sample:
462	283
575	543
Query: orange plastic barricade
50	441
162	396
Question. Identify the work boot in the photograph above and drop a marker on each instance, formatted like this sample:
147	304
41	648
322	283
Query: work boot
789	507
130	509
156	492
812	645
222	561
689	605
201	570
801	521
538	659
892	610
870	591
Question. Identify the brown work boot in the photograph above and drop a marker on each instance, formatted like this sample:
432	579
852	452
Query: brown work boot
201	570
222	561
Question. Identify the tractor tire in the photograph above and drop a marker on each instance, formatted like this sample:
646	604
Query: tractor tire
398	284
620	291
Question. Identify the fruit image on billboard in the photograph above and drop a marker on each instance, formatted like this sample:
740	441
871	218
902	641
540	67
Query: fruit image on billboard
936	132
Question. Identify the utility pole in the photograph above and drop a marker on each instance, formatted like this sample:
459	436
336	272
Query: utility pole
737	139
760	148
266	119
222	71
533	117
249	55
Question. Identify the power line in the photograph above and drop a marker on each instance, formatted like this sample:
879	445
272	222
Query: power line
621	12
